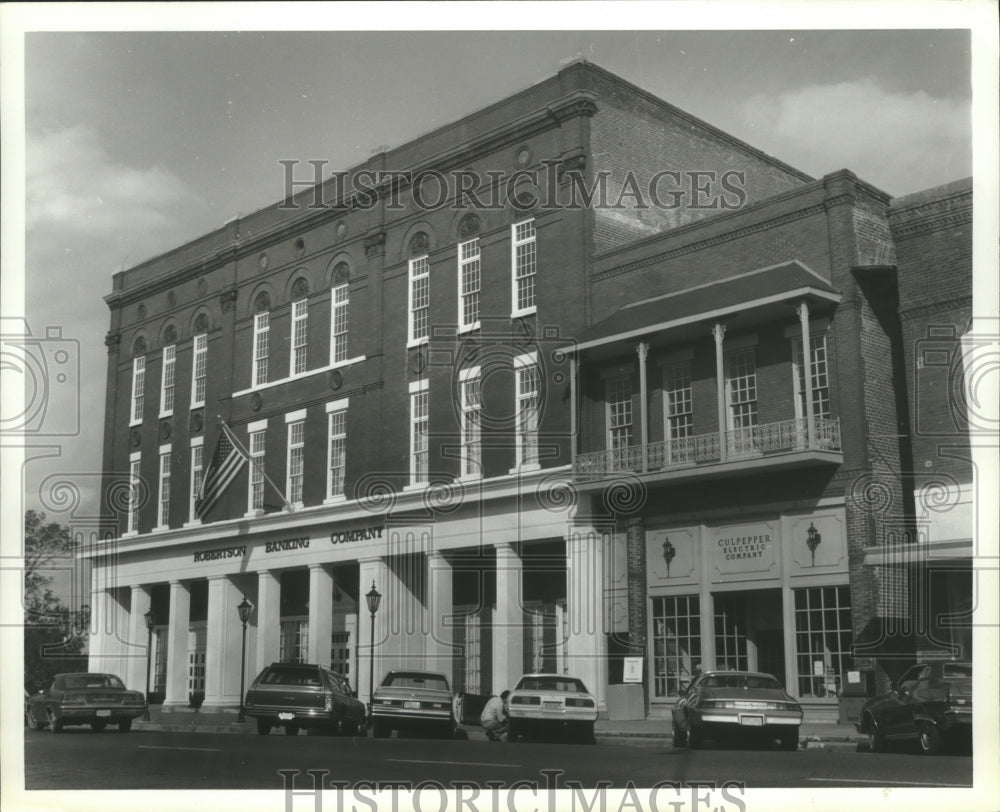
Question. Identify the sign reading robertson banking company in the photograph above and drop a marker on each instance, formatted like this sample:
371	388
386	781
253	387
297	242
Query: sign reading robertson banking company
361	534
222	552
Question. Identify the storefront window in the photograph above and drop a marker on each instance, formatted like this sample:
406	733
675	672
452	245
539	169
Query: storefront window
676	643
730	635
294	641
823	639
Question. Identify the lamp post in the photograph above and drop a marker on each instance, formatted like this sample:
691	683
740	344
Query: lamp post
243	608
150	622
374	597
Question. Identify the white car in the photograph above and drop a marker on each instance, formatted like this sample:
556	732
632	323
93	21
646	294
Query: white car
551	703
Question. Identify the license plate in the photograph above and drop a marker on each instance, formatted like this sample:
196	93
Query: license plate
410	705
104	713
552	705
752	721
286	716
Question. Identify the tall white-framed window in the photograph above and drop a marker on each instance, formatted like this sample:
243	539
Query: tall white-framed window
199	369
523	268
294	642
257	434
197	474
527	402
138	388
261	342
296	456
469	284
134	495
470	399
339	298
167	382
741	388
419	424
678	401
418	326
618	411
300	316
820	377
336	461
163	511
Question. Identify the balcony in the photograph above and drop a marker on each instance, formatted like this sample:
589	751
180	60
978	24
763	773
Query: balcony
774	445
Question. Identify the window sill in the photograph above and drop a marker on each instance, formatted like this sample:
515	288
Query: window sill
525	468
299	376
166	414
134	423
469	478
192	523
131	534
254	514
335	500
529	311
469	328
418	342
161	528
416	486
198	405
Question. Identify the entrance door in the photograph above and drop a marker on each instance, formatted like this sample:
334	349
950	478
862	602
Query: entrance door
771	653
748	632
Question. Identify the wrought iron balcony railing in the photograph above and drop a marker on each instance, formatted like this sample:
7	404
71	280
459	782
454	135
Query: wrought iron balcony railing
756	441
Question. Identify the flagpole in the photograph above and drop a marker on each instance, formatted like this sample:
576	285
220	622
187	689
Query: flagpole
254	463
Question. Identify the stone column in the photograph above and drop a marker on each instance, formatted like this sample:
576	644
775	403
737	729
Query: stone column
223	644
268	616
642	350
635	551
508	620
372	572
803	310
586	644
440	644
320	614
138	636
177	644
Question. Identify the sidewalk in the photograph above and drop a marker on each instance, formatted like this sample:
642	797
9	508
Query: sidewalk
639	733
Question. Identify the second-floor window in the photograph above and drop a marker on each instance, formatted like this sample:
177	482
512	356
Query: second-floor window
471	404
138	387
256	496
419	420
419	299
167	388
261	337
523	267
296	461
820	378
339	298
619	411
134	476
199	374
300	315
164	512
469	282
677	394
337	459
741	388
197	474
527	394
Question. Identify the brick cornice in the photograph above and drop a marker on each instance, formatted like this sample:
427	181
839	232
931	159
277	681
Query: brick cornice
927	224
936	307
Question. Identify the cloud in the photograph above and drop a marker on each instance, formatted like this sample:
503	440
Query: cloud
901	142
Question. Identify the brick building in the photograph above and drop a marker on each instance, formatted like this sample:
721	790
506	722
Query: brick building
552	403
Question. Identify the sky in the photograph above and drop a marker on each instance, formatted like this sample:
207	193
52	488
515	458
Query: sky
136	142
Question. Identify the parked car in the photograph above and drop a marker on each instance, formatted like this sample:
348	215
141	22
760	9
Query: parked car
726	705
930	704
551	703
301	695
97	700
413	702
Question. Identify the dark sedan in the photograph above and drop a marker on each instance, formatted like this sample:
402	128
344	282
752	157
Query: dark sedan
97	700
930	704
725	705
301	695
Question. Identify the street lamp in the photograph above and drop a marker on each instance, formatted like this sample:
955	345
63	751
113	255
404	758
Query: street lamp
150	622
243	608
374	597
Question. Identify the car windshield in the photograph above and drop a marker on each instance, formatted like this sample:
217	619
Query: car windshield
741	681
957	671
567	685
292	676
78	681
434	682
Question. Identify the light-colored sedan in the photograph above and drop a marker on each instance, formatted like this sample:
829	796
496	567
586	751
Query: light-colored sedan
551	703
413	702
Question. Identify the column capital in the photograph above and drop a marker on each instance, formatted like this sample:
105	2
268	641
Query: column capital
718	332
802	310
642	350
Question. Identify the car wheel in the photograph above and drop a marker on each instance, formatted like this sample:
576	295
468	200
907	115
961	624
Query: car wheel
263	727
679	738
125	725
790	740
876	741
55	725
380	730
512	732
291	730
695	740
97	727
587	733
930	738
31	721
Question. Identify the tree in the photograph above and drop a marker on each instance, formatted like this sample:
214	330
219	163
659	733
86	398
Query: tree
54	635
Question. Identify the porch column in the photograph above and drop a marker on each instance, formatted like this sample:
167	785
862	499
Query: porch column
177	644
586	643
642	350
718	333
635	551
574	428
224	640
788	629
135	667
508	620
320	614
440	644
268	614
803	310
372	571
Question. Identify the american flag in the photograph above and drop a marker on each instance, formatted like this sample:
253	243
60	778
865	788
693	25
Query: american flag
225	464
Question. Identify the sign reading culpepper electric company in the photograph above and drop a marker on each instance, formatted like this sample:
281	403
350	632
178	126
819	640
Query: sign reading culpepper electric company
743	548
222	552
360	534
